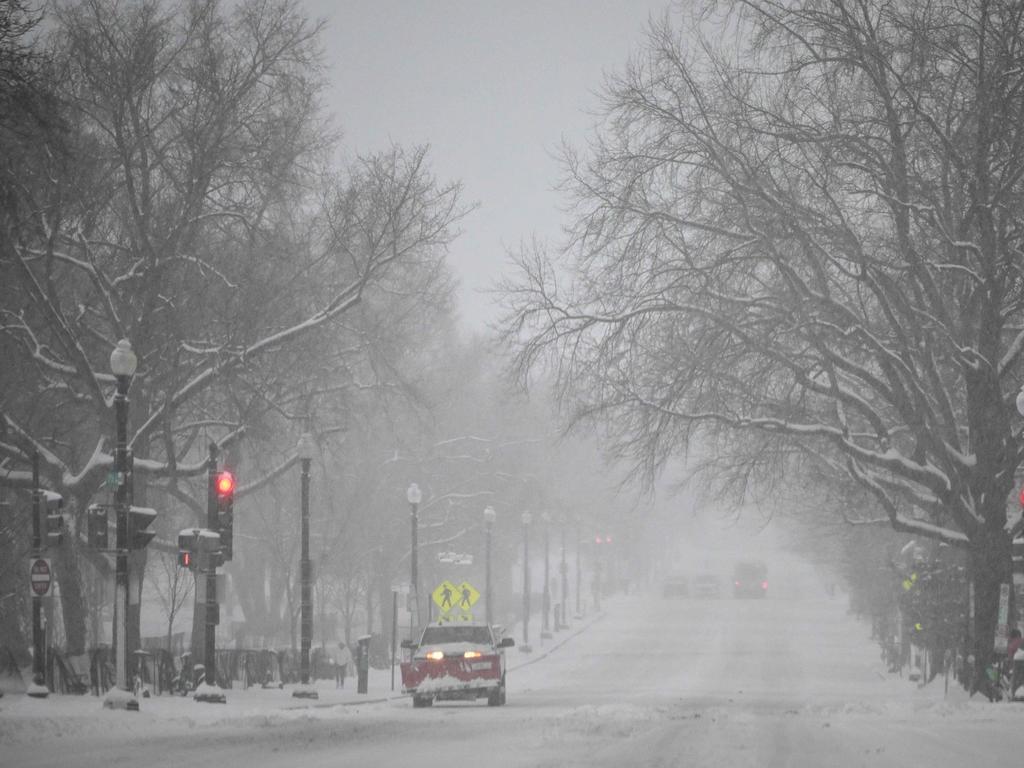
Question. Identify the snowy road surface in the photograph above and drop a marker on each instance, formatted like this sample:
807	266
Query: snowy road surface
786	681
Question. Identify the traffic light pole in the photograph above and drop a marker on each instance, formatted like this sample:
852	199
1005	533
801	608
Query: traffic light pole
210	567
38	633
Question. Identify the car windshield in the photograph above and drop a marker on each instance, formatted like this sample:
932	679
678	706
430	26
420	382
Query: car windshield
456	634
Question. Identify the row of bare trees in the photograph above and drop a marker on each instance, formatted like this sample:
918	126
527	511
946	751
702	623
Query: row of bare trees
167	177
796	250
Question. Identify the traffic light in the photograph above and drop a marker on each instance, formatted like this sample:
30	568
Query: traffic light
186	548
54	504
139	519
96	526
225	485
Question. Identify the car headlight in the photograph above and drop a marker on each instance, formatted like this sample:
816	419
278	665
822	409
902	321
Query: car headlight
435	655
472	655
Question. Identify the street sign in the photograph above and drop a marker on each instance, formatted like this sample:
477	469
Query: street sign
445	596
40	576
467	596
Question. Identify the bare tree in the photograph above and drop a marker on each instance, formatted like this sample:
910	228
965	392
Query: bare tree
173	586
191	211
805	243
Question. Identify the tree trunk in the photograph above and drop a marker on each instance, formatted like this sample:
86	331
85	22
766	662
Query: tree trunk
990	567
72	600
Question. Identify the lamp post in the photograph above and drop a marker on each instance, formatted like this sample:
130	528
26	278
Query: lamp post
525	647
545	627
489	517
122	364
414	496
579	572
564	570
305	451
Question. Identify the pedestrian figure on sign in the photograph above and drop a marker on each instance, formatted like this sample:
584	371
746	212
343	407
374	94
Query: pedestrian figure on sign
465	602
341	664
446	598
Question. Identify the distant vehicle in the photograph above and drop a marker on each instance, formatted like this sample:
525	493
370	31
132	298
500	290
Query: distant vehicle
706	585
462	661
676	585
750	579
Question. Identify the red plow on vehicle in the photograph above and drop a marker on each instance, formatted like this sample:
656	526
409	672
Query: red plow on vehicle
423	675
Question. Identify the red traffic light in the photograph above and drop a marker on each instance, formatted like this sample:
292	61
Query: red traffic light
185	559
225	484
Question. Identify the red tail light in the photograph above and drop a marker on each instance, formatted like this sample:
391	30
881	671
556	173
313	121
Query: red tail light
764	585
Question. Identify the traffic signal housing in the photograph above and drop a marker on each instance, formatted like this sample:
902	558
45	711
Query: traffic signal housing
139	520
187	546
54	506
225	487
96	527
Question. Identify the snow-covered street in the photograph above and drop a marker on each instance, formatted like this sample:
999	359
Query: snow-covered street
787	681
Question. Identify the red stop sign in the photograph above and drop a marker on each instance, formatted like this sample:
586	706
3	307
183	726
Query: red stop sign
40	576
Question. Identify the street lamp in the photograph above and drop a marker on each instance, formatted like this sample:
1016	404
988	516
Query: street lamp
489	517
525	647
122	364
305	450
564	570
414	496
545	627
579	572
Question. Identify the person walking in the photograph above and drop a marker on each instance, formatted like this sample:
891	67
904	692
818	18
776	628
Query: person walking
341	664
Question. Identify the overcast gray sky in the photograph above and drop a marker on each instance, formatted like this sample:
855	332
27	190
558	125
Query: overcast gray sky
492	86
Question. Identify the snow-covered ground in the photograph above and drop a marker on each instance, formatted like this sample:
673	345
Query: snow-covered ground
787	681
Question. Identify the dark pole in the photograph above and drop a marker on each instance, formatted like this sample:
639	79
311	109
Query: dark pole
579	572
307	599
545	630
414	524
210	610
564	568
38	633
394	633
526	581
121	532
122	365
489	517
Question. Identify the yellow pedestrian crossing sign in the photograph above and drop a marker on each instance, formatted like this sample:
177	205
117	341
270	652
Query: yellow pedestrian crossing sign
455	602
467	596
445	596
